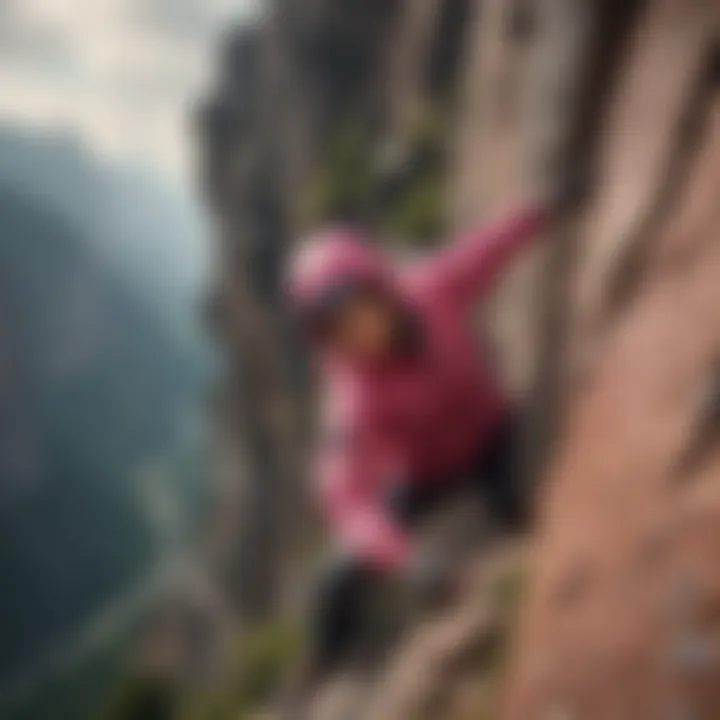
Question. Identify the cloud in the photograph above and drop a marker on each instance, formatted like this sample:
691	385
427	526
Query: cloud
120	73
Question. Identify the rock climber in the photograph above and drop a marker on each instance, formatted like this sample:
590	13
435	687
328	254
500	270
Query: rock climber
411	411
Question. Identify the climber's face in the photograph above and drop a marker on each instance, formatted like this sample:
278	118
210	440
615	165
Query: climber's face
363	326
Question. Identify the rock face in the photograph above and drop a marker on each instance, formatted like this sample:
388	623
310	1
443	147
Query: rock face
611	326
621	619
289	93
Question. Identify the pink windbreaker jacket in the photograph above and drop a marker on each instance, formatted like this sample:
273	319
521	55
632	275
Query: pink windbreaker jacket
416	417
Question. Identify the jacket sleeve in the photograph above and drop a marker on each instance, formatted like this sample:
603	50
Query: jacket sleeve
469	263
350	480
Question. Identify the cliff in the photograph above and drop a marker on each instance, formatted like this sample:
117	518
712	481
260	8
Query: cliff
441	114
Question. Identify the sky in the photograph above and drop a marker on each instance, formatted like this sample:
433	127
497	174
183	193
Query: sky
120	74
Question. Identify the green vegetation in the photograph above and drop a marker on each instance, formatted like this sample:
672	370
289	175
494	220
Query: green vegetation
399	188
508	590
419	215
418	212
142	698
263	656
344	184
506	593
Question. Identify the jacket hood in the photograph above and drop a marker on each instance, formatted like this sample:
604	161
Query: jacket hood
333	259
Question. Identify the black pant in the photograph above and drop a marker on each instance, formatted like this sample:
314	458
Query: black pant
340	614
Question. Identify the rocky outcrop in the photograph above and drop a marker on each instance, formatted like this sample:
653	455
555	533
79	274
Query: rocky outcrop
288	93
619	620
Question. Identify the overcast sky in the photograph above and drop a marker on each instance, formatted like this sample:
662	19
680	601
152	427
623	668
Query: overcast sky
120	73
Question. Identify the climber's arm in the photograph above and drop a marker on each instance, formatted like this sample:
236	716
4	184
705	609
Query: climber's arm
469	263
348	475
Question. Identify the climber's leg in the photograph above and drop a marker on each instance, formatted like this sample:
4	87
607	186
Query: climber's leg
341	612
339	618
498	479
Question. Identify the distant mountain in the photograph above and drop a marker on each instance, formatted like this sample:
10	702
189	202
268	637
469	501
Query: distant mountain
153	234
101	379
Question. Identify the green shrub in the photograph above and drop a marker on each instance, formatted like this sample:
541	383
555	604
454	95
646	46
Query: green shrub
407	202
509	588
343	186
262	658
142	698
419	215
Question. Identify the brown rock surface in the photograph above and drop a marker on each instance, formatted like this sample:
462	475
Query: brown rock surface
621	619
639	145
448	668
